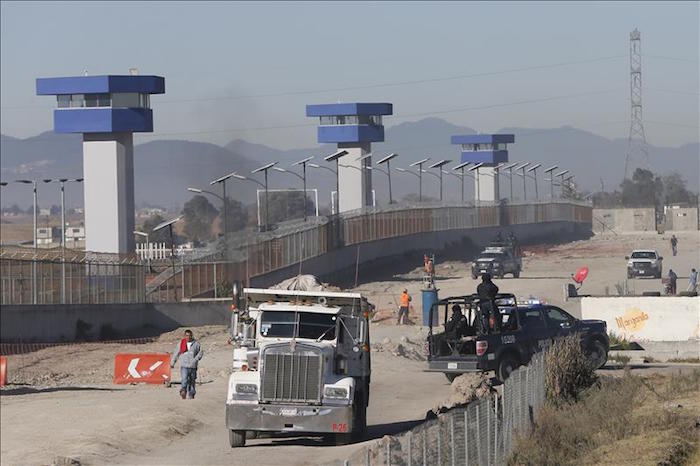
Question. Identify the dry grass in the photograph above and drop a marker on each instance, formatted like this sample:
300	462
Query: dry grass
629	420
568	370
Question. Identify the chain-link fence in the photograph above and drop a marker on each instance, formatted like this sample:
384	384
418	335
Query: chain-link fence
481	433
76	277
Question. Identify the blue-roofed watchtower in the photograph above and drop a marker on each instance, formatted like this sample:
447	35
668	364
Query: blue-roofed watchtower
107	110
490	150
353	127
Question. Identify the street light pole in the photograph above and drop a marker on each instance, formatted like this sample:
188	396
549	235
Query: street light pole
336	156
439	166
533	169
302	177
222	182
169	224
550	170
148	248
419	164
387	160
460	167
475	169
34	203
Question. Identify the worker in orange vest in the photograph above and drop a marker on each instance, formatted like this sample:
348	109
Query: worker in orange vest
403	309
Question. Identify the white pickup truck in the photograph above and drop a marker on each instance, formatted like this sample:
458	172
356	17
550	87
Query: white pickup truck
644	263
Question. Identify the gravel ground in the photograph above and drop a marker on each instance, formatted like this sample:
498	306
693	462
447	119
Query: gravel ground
60	402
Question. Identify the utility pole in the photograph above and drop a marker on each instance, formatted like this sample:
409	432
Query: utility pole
637	148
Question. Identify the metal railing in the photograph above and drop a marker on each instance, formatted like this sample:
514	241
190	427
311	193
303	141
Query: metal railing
480	433
250	254
294	243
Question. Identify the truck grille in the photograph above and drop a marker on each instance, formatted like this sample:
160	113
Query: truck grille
291	377
641	265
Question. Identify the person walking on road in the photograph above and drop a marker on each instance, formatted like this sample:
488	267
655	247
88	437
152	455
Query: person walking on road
190	352
674	244
693	281
672	279
403	308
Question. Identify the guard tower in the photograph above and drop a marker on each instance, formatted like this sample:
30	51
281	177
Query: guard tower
354	127
488	150
107	110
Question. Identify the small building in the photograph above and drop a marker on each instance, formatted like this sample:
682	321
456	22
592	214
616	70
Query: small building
680	218
48	235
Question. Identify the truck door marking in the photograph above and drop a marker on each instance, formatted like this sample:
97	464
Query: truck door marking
340	427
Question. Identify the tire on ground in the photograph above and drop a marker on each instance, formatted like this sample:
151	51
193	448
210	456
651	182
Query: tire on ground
597	354
507	364
236	438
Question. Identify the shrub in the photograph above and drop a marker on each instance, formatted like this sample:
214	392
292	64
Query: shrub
569	371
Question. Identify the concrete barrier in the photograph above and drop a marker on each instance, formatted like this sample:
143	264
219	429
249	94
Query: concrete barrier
92	322
665	318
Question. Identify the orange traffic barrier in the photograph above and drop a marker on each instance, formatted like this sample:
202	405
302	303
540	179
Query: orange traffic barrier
3	371
152	368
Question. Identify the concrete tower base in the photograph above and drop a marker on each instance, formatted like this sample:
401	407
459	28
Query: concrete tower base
355	180
488	188
108	169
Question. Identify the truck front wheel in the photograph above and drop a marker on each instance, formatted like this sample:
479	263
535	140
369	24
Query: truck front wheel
236	438
506	365
597	354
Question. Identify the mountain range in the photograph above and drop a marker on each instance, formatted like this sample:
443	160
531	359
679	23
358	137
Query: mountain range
165	168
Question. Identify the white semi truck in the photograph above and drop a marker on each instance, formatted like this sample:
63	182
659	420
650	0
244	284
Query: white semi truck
301	364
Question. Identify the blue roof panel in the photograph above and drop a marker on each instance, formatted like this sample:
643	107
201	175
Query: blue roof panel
484	139
100	84
349	109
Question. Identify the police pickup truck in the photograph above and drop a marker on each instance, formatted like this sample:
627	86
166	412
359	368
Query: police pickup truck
498	259
470	343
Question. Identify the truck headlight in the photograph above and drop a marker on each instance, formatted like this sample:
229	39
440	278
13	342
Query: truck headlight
335	392
247	388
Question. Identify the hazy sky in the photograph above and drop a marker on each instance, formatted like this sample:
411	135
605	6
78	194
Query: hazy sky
215	56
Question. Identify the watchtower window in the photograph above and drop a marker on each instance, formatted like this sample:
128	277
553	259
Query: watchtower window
333	120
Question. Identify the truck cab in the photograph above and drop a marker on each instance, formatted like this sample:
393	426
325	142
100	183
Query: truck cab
301	364
516	334
644	263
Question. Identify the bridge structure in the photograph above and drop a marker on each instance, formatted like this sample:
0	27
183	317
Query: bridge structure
329	245
321	246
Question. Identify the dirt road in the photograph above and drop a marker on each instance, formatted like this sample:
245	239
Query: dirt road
60	402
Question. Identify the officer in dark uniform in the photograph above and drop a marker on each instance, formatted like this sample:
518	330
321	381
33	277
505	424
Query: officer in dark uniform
487	291
457	325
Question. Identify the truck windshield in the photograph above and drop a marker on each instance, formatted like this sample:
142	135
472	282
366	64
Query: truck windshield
643	255
491	255
289	324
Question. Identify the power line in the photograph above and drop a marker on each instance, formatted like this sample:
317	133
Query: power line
372	86
397	116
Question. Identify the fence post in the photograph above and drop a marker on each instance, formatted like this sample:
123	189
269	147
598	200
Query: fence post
410	439
439	442
215	291
452	437
367	457
495	436
388	451
488	431
425	444
466	437
478	436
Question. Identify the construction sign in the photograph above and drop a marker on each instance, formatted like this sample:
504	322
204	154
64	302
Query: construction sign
152	368
3	371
